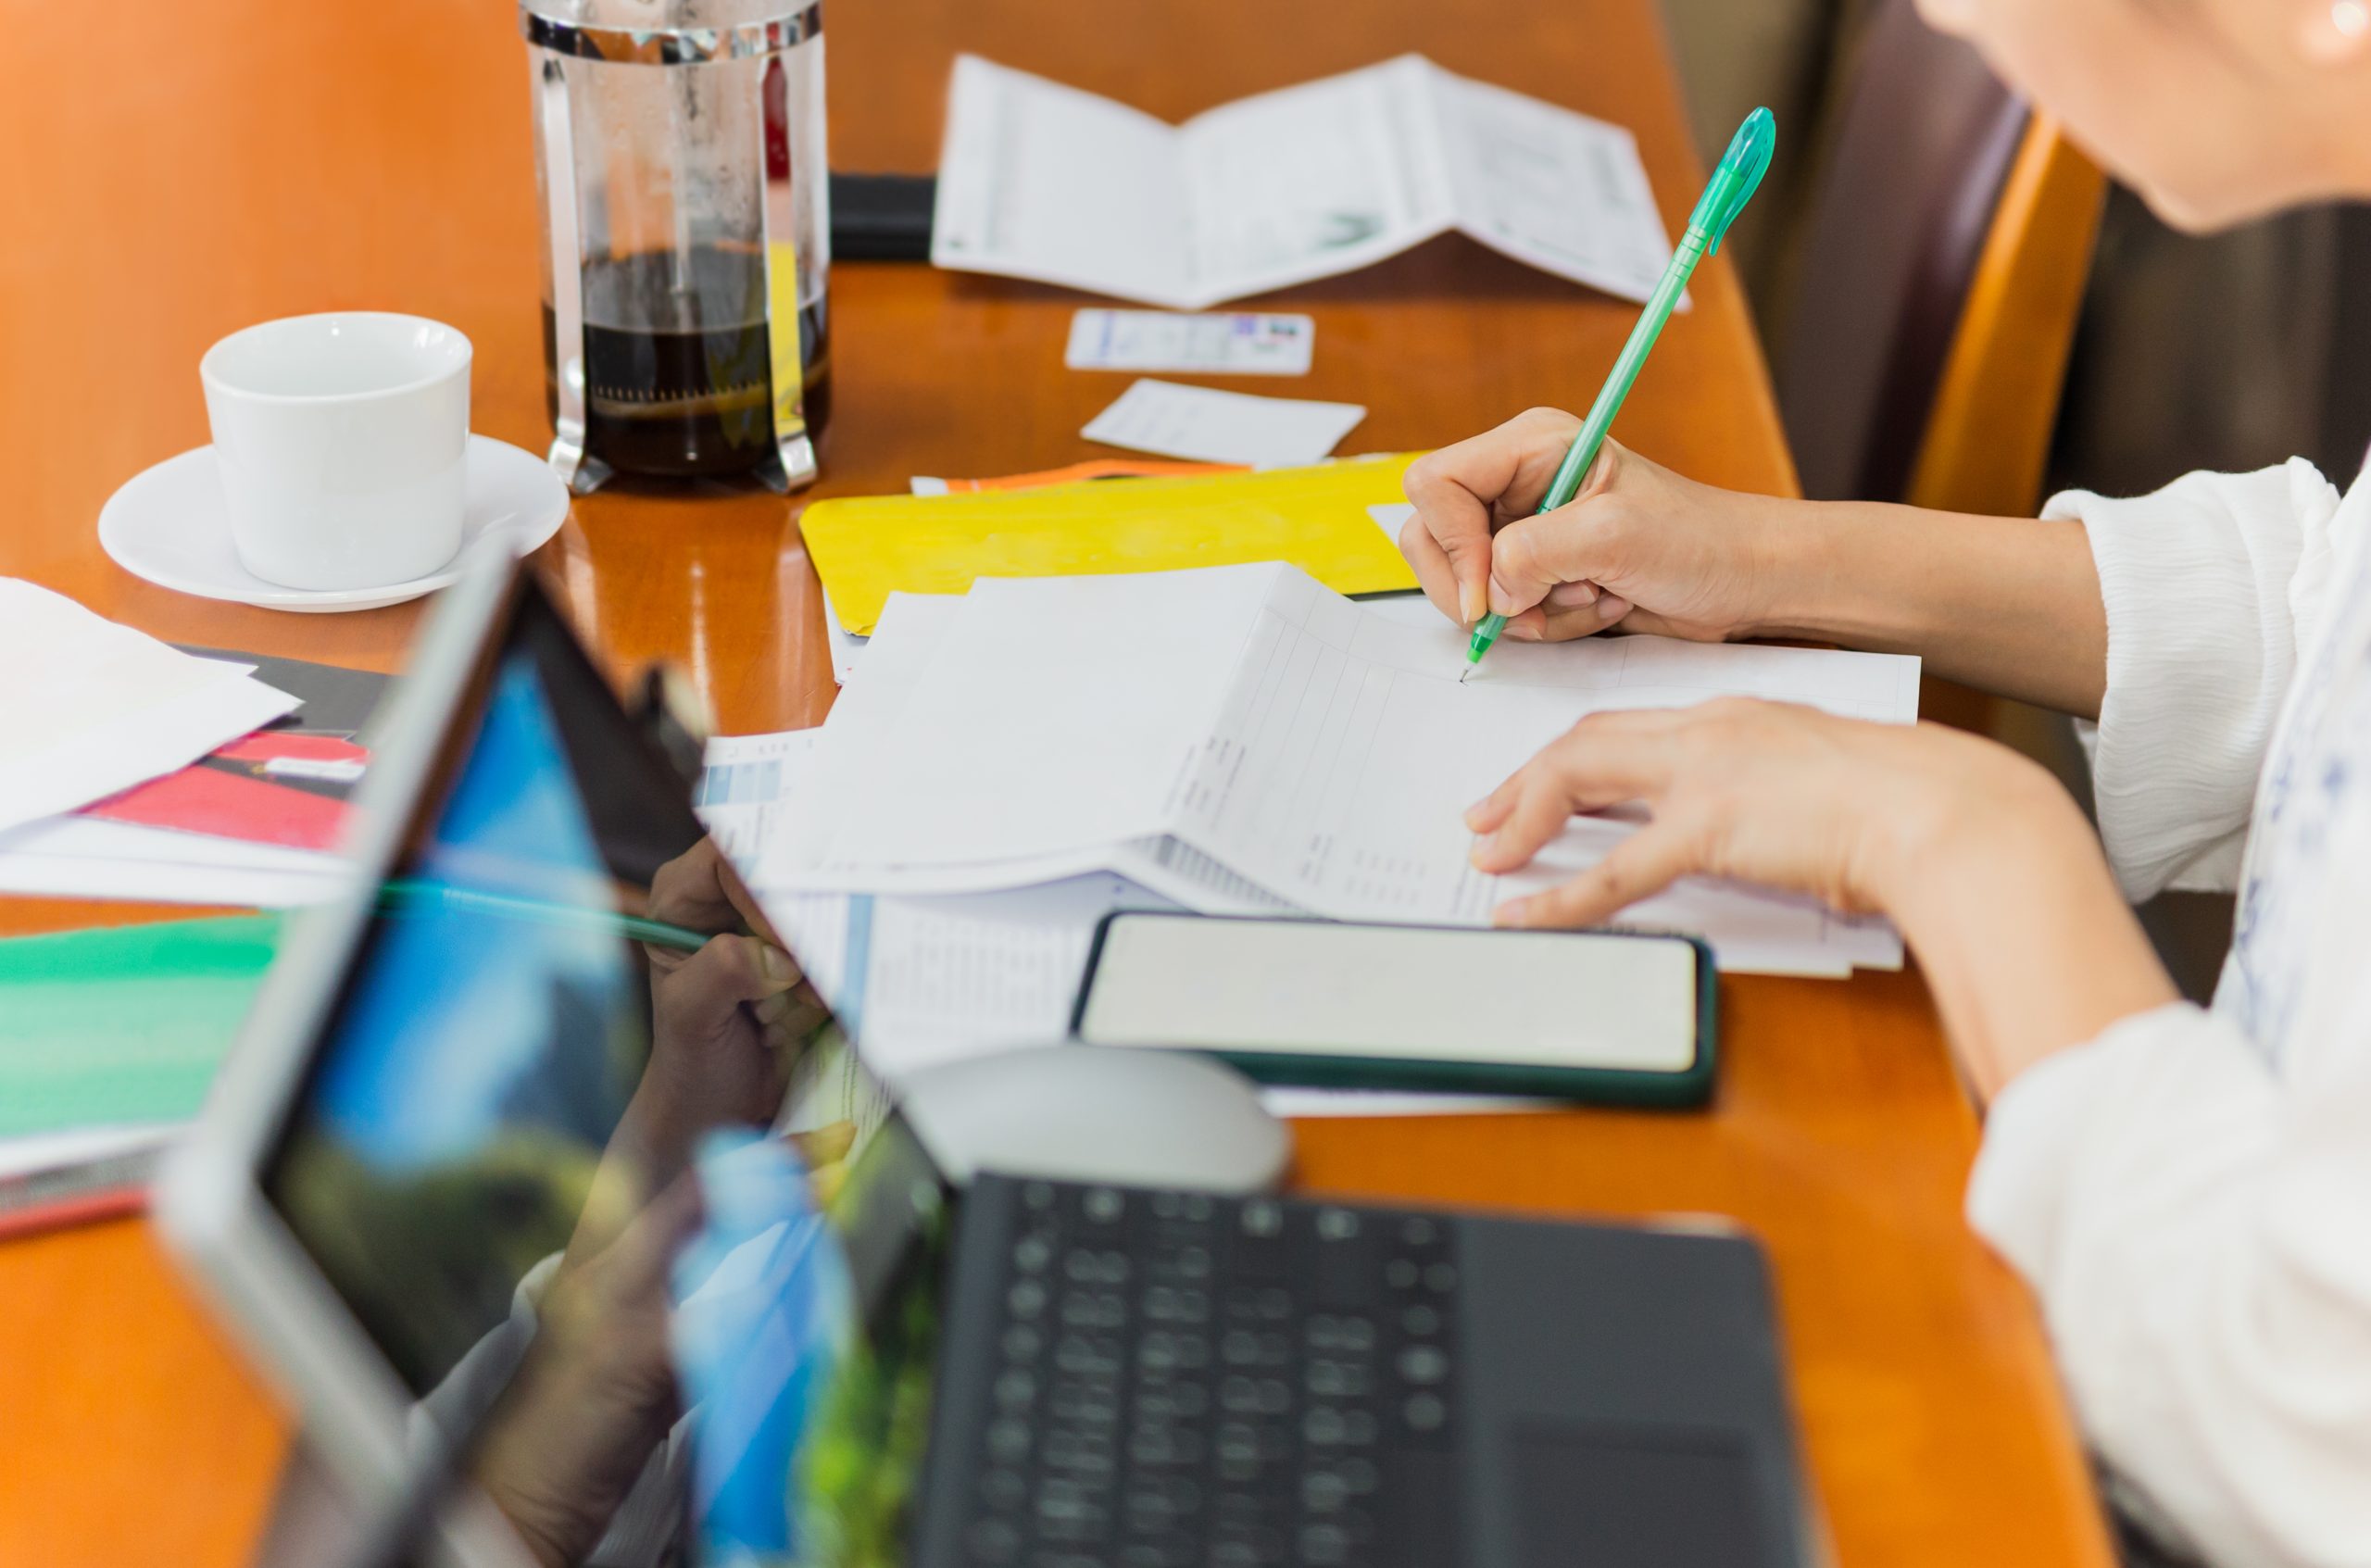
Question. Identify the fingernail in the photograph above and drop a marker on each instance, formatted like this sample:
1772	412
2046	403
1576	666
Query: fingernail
1482	848
1612	606
1572	595
1522	632
1474	811
774	963
1472	604
1508	913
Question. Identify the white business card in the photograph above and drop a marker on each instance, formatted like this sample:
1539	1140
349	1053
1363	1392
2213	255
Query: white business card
1206	425
1222	343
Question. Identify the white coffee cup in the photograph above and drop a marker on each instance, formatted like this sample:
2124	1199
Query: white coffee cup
343	444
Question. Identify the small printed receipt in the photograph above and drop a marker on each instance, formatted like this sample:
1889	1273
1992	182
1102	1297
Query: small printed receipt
1209	426
1238	344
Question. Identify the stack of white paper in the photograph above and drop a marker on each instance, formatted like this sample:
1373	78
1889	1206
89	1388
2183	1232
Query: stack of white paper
91	858
92	707
924	979
96	708
1242	738
1005	767
1041	181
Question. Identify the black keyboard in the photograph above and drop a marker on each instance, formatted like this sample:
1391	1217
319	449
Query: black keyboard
1179	1381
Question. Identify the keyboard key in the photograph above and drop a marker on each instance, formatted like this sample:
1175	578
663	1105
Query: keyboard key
1423	1363
1323	1492
1337	1380
1324	1545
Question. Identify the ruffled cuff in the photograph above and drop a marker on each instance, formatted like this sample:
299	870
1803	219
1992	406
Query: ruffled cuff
2204	584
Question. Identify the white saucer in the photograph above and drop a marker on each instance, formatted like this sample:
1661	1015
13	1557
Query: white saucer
169	526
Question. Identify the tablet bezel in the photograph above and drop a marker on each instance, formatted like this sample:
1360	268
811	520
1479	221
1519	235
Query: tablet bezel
209	1199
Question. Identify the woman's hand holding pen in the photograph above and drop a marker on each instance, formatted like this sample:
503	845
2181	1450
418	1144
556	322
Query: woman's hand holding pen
1640	548
2007	605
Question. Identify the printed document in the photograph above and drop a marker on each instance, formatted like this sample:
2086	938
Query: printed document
1241	733
92	707
1211	426
924	980
1041	181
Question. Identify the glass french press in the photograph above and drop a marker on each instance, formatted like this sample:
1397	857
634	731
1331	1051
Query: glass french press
680	159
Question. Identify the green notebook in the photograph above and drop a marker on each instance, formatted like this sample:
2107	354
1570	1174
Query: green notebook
126	1024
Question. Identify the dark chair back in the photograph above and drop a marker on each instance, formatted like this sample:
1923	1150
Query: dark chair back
1925	141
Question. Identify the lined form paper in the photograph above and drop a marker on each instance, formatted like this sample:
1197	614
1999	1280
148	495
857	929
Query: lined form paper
1316	749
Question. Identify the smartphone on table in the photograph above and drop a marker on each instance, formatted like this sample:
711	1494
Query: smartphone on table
1614	1017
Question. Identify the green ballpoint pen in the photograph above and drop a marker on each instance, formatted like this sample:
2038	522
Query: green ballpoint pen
1732	185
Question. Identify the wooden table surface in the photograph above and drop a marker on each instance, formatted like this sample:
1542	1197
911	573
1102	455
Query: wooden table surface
184	170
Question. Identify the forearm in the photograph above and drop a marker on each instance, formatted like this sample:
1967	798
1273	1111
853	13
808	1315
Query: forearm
2024	940
2007	605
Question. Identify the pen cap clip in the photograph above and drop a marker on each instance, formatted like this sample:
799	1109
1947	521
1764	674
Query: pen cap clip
1734	183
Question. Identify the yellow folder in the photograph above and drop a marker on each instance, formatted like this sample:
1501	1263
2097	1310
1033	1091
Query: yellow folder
868	547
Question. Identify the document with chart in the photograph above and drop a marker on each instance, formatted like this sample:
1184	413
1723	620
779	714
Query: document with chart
1041	181
1241	737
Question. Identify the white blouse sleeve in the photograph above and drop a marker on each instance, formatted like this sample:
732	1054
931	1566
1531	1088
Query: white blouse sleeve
2210	585
2200	1242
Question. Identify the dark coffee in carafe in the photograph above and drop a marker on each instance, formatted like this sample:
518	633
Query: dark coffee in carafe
690	395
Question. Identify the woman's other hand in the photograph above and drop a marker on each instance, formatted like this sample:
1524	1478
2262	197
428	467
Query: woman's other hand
1977	854
1763	792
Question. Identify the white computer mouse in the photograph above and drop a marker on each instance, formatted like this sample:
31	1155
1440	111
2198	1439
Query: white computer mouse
1093	1114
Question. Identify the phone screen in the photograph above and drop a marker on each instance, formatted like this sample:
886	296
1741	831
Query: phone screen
1569	1000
